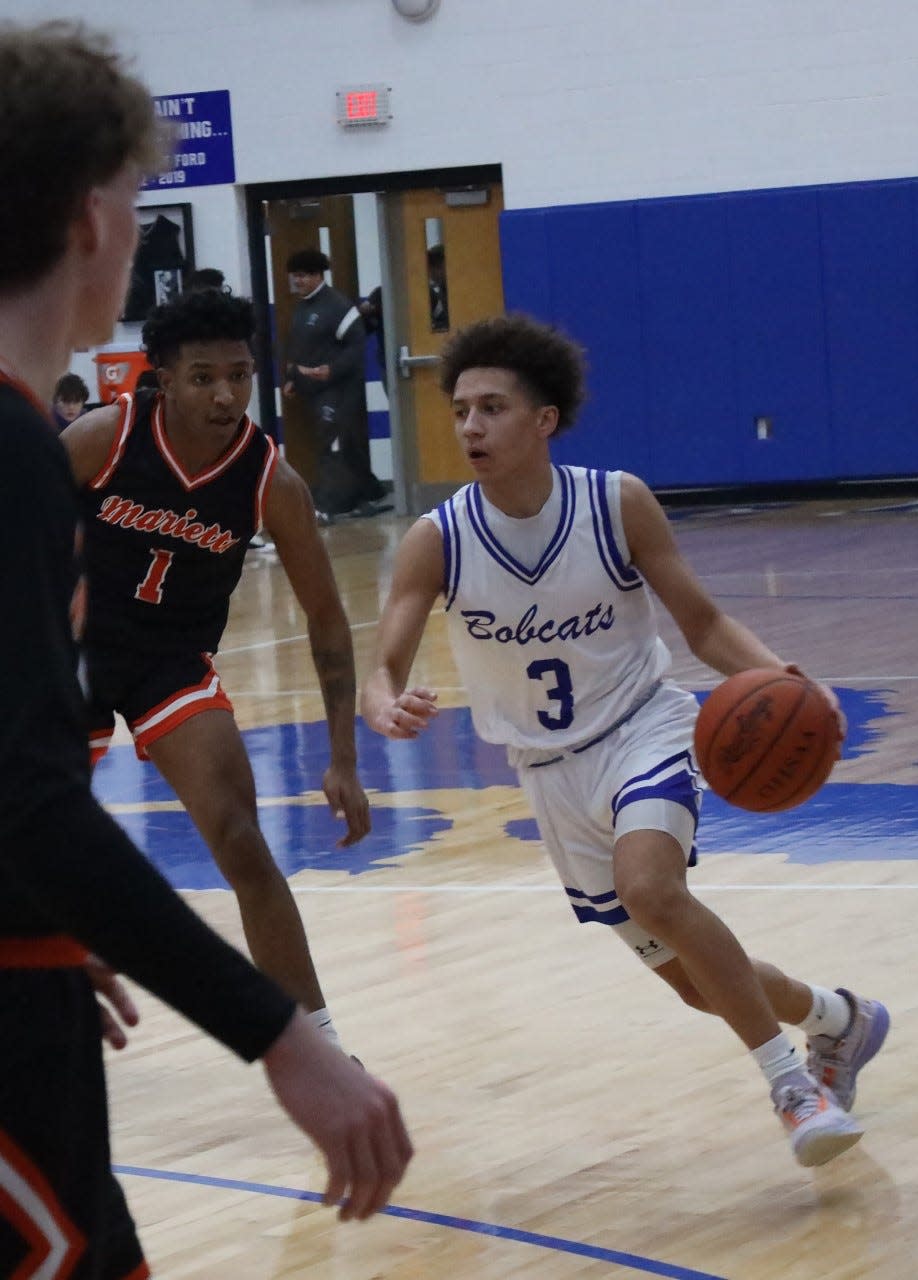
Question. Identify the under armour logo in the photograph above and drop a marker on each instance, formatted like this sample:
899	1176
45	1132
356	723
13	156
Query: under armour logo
649	949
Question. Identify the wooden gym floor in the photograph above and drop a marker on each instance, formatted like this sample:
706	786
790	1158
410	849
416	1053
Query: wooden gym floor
571	1118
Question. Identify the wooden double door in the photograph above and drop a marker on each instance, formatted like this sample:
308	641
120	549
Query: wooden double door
439	266
308	222
444	255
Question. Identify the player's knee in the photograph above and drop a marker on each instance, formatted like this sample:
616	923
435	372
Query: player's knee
241	851
654	906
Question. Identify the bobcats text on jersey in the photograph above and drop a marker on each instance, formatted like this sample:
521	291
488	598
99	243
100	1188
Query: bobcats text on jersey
480	625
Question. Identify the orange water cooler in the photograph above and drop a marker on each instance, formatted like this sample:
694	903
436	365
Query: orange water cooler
117	371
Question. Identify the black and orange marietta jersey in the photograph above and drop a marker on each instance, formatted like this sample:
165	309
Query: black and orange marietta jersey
66	867
165	549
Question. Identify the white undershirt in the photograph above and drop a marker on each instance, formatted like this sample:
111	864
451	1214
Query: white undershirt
526	537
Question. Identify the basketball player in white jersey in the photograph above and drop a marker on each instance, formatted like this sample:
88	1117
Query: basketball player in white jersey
545	572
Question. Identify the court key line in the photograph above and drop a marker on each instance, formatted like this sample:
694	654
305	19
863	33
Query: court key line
558	1243
271	644
700	889
553	888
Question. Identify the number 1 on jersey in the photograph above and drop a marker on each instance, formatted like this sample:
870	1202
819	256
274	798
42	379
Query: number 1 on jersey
151	589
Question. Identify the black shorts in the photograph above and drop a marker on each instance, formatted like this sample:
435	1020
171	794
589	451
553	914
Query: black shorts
58	1196
154	694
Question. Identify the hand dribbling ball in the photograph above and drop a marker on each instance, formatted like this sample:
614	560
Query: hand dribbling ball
766	739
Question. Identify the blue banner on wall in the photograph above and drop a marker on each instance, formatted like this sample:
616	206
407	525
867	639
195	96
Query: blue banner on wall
202	132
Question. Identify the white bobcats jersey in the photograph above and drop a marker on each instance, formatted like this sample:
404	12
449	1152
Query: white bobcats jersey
552	654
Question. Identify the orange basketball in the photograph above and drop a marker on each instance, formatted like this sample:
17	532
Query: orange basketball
766	740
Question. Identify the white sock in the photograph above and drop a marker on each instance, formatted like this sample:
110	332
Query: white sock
778	1057
321	1019
829	1016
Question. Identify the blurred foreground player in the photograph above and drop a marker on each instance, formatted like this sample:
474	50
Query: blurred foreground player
76	133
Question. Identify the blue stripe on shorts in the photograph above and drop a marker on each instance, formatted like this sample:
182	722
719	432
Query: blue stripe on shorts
674	779
597	907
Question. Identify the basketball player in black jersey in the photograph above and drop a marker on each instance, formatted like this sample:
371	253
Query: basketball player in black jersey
174	486
70	880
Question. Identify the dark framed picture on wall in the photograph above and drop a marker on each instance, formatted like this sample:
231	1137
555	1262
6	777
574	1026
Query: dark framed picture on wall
164	259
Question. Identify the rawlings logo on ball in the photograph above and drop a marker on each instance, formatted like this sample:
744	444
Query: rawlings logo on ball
748	733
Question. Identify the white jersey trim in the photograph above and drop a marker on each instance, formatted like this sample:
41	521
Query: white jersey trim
489	541
128	414
614	557
452	556
264	484
177	704
63	1249
189	482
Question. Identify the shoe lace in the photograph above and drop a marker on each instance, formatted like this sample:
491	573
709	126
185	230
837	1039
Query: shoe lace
797	1103
830	1050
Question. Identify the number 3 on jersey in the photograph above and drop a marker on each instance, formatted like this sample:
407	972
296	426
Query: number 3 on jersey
151	589
562	691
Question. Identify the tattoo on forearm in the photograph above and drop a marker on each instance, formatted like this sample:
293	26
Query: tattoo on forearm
335	669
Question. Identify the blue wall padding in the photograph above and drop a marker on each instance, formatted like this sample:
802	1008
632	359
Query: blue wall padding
779	335
701	314
610	307
524	262
687	319
871	297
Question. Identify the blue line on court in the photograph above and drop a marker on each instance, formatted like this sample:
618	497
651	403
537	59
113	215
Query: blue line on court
558	1243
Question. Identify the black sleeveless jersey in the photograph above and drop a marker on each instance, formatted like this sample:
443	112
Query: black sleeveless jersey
164	549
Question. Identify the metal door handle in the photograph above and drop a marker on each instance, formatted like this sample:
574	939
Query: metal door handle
407	362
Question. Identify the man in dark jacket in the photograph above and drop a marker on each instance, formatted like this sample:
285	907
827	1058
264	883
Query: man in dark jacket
325	367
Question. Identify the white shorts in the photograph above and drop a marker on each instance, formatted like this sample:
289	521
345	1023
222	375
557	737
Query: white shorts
643	776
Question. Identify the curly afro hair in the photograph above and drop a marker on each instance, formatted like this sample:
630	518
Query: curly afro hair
206	315
548	364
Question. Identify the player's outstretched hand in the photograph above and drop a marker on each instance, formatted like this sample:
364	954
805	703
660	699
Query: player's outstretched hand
347	799
354	1119
113	1001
